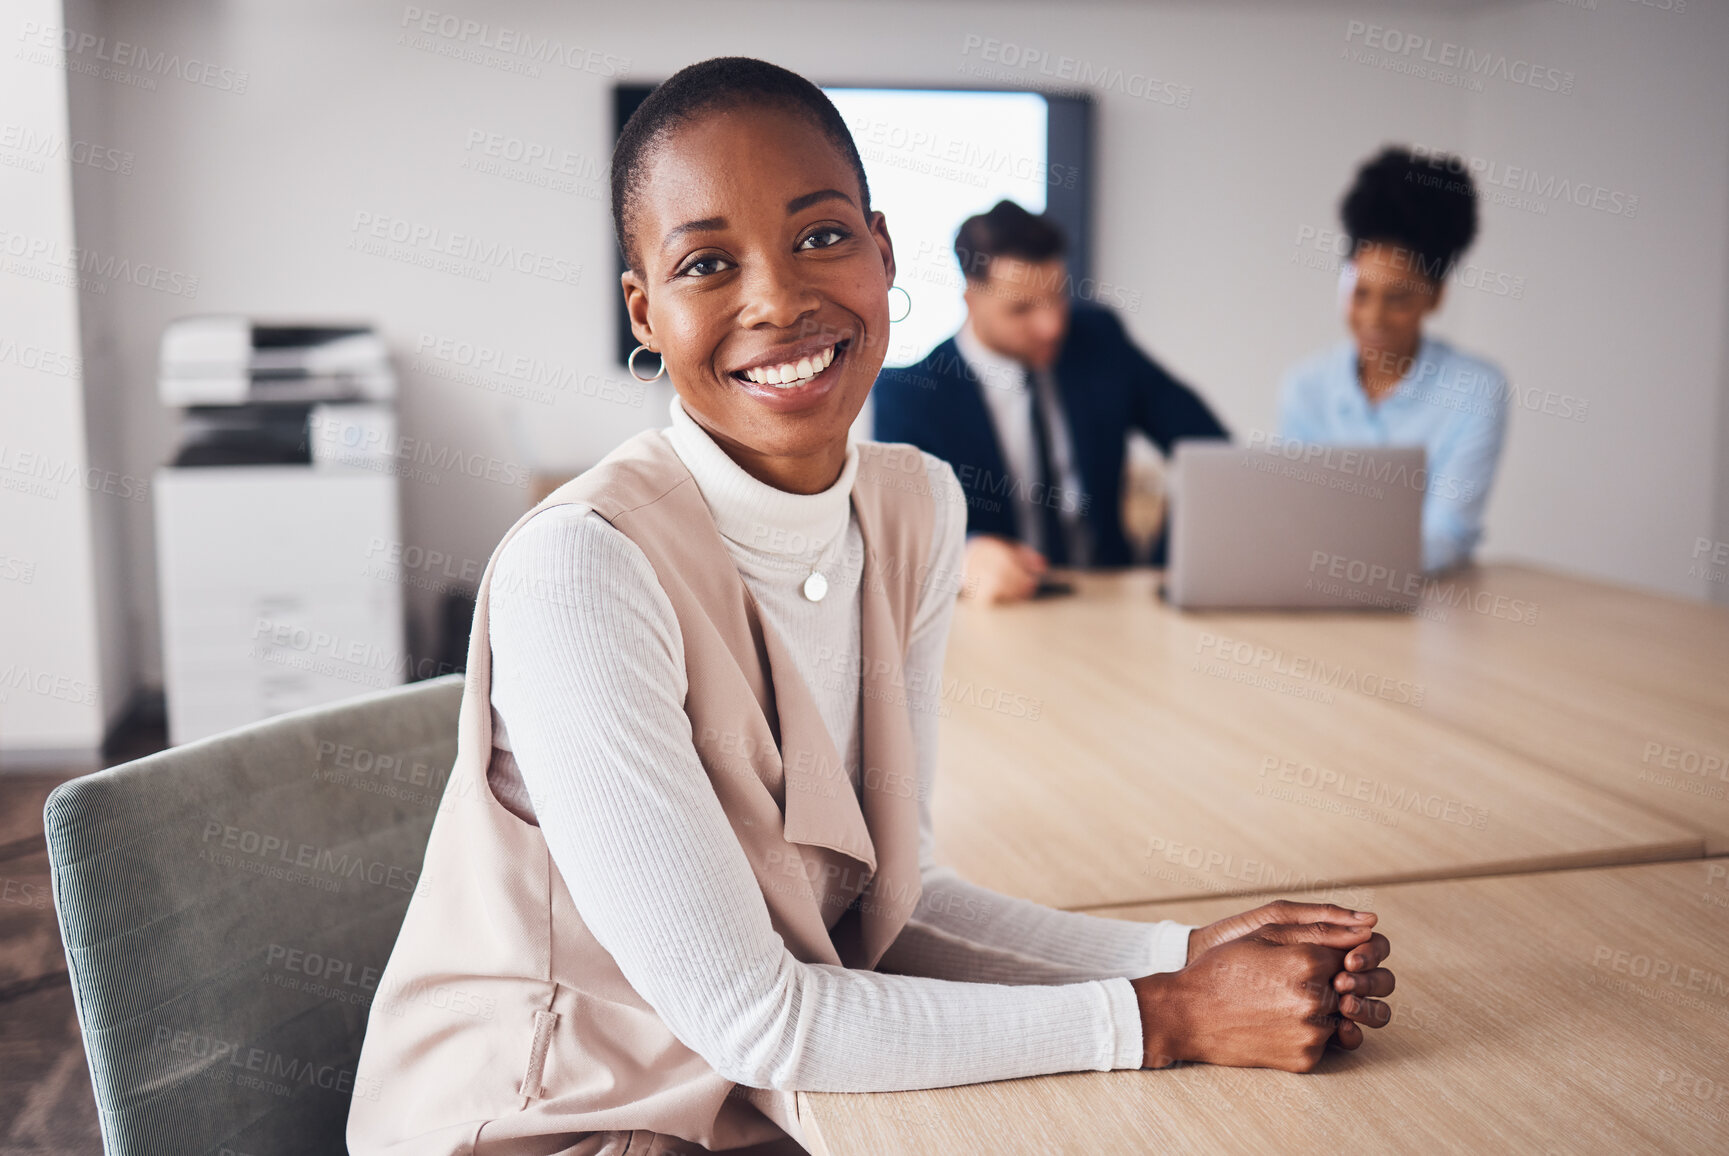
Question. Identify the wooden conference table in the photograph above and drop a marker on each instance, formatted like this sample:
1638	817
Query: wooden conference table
1572	1011
1106	749
1104	752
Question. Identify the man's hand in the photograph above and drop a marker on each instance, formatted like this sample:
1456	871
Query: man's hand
1001	570
1267	999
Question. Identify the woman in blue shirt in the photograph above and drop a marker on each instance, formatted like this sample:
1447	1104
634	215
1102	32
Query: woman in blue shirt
1389	383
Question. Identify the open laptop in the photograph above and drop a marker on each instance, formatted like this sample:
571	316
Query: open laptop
1295	526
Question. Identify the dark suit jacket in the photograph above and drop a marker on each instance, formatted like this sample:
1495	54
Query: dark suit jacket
1106	387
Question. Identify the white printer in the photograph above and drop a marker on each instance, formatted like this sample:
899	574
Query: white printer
273	521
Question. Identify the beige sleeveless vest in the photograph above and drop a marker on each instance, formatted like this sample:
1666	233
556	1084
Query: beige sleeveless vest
501	1025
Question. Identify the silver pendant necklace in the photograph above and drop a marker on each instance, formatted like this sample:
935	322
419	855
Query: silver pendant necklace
816	583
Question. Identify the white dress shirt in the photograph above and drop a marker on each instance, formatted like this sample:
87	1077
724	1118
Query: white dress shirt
1003	381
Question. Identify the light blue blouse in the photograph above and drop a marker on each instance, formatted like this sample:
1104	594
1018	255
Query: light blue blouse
1452	404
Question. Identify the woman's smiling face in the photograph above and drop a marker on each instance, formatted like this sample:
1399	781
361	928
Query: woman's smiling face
758	267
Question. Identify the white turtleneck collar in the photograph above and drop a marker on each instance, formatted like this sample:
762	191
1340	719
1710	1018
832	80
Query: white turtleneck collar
753	513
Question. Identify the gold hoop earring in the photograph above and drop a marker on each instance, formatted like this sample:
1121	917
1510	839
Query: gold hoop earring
909	308
630	365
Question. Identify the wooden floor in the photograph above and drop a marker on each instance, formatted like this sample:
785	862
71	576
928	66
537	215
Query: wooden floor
46	1105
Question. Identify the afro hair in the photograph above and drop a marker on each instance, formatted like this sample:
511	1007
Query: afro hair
1425	205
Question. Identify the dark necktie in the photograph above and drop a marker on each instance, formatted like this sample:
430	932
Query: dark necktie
1047	496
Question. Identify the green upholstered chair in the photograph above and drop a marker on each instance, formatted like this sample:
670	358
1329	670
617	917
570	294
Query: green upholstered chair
227	907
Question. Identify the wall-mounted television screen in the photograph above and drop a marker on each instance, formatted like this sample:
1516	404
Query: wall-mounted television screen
934	157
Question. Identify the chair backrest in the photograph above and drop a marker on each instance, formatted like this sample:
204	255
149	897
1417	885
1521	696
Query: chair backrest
227	907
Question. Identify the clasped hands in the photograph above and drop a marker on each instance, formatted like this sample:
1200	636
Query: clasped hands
1269	988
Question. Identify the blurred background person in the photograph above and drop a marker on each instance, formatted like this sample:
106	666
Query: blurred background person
1043	481
1408	219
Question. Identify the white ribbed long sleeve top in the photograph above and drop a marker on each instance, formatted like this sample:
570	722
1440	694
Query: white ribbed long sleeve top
588	686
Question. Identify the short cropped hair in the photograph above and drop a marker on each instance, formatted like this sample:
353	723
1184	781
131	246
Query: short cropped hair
1007	230
722	82
1426	205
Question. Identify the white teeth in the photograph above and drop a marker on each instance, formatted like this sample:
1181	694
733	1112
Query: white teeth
791	374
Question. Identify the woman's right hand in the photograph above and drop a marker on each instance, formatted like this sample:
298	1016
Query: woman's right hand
1264	1000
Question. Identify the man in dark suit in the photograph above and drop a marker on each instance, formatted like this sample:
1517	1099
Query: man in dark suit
1031	403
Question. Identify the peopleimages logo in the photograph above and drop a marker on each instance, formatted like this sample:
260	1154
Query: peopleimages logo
1305	668
42	360
1084	73
479	364
278	851
1366	577
17	676
1715	567
272	1071
527	48
435	241
1494	175
1388	796
1227	868
1344	461
35	253
1698	770
1662	971
123	60
1444	60
29	148
925	150
1329	250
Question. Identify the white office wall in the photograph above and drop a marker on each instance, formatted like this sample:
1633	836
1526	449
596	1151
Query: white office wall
1624	310
56	691
1718	575
1211	196
117	498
